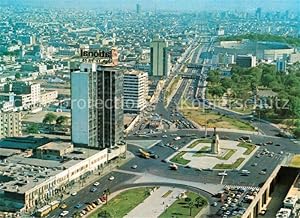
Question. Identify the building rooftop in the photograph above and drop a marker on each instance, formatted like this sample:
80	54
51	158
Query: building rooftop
19	173
23	143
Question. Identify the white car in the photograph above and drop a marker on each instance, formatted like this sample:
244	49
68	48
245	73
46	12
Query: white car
165	136
96	183
74	193
222	174
134	166
111	178
64	213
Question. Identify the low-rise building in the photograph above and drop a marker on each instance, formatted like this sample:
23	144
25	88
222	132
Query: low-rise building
41	176
48	97
10	124
246	60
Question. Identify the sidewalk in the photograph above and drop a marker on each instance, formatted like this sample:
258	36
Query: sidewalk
96	175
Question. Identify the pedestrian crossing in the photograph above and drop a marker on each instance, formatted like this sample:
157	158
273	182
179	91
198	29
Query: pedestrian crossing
251	188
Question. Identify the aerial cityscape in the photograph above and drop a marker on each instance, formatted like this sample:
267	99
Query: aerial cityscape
144	109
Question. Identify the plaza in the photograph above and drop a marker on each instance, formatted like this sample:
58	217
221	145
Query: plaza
197	154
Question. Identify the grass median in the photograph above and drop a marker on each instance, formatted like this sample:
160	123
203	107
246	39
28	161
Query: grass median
248	146
123	203
179	159
198	141
234	165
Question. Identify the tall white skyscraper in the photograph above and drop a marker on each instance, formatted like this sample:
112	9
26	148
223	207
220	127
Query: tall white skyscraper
159	57
135	91
97	106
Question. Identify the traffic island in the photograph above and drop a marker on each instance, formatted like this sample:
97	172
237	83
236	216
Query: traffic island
200	154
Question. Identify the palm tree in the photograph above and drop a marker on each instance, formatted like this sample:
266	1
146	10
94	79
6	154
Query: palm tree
199	202
106	193
191	205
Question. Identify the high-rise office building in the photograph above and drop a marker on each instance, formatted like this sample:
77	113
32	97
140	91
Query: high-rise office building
110	115
138	8
159	57
97	106
135	91
258	13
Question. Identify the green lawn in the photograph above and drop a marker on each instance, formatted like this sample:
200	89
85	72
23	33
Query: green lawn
295	162
198	141
229	166
180	209
229	153
202	151
123	203
171	87
179	159
215	120
248	146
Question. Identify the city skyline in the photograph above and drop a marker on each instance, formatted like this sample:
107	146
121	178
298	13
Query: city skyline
169	5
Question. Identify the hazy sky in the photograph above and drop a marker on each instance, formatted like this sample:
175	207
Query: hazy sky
196	5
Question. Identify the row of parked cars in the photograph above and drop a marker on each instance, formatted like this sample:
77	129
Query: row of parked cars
234	201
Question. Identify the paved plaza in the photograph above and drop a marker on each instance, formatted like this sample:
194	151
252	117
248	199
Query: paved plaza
156	203
206	160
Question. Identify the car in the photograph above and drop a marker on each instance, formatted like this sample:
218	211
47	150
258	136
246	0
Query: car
74	193
111	178
254	164
215	204
262	212
96	184
222	174
165	136
134	166
164	161
269	143
64	213
281	152
93	189
77	206
277	145
63	206
262	172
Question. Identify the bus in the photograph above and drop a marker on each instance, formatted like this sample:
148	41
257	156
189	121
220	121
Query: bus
144	154
44	211
54	205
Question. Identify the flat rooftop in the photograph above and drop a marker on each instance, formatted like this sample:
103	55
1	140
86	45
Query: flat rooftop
20	173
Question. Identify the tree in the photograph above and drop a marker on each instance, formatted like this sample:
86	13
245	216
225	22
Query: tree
49	118
61	120
199	202
18	75
106	193
191	205
32	128
104	214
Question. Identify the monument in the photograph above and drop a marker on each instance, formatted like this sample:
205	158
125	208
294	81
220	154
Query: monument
215	142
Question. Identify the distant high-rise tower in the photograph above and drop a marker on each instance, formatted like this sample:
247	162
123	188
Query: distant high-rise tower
159	57
97	106
138	8
258	13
